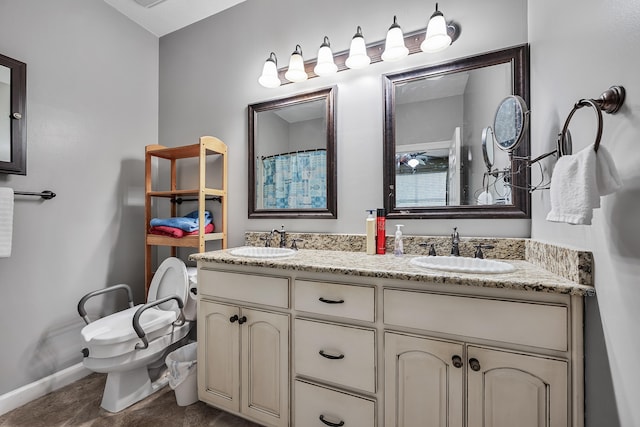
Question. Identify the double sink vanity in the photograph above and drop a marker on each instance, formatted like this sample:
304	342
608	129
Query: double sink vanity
319	337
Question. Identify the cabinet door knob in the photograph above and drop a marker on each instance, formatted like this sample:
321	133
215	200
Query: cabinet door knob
329	423
330	356
331	301
233	318
457	361
242	320
474	364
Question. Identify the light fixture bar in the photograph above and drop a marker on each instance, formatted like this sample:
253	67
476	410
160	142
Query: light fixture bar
412	41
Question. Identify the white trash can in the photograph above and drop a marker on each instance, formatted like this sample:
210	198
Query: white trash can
183	378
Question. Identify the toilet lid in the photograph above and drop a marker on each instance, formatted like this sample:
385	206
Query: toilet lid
171	278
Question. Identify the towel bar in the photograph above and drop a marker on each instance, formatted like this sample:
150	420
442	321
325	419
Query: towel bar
46	194
179	200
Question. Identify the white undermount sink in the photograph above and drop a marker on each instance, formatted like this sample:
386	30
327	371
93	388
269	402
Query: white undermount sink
262	252
463	264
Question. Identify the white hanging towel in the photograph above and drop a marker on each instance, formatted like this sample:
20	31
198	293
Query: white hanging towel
577	183
6	221
607	177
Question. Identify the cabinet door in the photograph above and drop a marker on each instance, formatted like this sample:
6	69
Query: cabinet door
265	366
423	388
509	389
218	355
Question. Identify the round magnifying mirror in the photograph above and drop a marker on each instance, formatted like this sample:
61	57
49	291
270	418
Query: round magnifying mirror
510	123
487	147
565	144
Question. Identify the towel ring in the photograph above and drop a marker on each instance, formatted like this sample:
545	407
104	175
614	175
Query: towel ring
610	102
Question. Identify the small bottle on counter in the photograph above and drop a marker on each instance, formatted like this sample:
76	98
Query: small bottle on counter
398	246
371	233
381	229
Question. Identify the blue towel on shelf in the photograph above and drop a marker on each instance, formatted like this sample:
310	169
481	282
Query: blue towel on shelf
189	222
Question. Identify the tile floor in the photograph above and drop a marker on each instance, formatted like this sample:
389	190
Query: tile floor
78	405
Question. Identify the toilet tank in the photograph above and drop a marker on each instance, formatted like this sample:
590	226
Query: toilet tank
191	304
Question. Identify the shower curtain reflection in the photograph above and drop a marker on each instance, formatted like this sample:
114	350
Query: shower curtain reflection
295	180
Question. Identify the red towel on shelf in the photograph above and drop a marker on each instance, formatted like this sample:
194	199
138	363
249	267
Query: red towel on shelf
164	230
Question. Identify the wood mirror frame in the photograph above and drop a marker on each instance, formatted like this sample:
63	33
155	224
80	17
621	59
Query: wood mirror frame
18	133
518	57
328	95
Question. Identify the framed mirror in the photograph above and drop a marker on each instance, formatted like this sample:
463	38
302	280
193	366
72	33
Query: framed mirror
292	156
434	163
13	95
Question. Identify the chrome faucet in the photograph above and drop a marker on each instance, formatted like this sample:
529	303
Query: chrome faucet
283	236
455	240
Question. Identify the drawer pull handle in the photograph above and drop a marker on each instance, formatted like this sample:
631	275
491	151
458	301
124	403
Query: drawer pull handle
331	301
474	364
233	318
242	320
330	356
329	423
457	361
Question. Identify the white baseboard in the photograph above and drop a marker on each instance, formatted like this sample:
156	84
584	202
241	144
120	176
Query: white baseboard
36	389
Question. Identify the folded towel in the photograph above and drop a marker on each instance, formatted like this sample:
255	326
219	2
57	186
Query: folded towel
6	221
577	183
187	223
163	230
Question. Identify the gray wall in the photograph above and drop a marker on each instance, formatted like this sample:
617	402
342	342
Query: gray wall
581	58
209	72
92	107
92	97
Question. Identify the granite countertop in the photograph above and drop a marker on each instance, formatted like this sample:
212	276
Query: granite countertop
527	277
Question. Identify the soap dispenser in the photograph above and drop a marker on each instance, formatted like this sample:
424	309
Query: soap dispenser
398	246
371	233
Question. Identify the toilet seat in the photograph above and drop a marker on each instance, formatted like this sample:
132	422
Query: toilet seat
171	278
118	327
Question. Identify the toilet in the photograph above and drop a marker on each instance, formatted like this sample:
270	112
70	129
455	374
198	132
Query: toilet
126	353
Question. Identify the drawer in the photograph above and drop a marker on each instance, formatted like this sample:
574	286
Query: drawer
252	288
313	402
537	325
334	299
349	354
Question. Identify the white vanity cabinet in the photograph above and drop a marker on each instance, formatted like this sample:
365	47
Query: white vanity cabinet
332	348
520	378
243	352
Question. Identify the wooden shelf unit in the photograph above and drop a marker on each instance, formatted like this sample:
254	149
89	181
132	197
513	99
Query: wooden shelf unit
207	145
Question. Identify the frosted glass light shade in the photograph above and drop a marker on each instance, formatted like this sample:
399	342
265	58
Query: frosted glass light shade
325	65
269	77
437	38
413	163
296	73
394	48
358	57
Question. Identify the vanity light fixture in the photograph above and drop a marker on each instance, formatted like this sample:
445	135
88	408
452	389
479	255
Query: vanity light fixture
358	57
269	77
296	72
325	65
394	47
439	33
